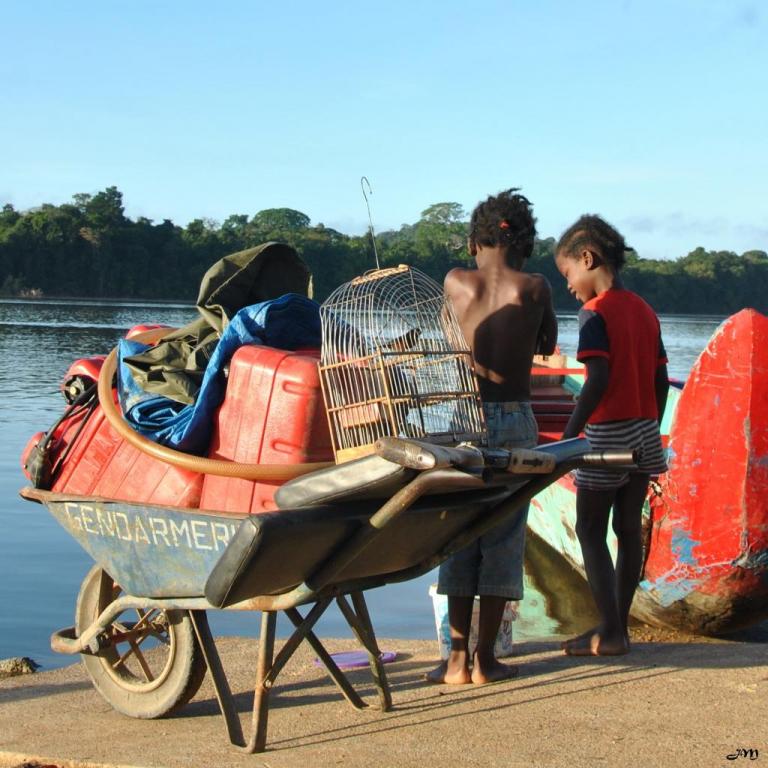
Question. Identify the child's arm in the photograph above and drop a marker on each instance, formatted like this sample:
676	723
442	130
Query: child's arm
592	393
661	385
546	342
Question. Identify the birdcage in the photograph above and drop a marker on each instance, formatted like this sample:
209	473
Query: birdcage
395	363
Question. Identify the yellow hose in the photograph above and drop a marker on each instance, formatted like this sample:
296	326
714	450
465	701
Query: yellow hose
270	473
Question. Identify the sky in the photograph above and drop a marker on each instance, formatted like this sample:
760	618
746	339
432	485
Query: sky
647	112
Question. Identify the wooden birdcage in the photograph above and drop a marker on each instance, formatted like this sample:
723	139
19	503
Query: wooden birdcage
395	363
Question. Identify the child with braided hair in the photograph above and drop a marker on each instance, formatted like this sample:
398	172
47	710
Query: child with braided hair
506	316
620	406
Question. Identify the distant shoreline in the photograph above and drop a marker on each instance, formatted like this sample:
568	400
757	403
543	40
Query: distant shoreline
190	304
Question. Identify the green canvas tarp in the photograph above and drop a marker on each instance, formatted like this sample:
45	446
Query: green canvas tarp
174	367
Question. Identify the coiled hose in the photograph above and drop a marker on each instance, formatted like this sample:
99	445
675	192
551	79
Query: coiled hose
271	473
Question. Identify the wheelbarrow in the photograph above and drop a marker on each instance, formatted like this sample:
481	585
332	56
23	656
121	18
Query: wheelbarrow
338	532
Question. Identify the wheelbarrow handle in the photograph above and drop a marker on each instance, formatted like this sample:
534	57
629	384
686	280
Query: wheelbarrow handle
416	454
520	461
611	458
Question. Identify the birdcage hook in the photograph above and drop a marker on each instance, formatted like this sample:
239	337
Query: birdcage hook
370	220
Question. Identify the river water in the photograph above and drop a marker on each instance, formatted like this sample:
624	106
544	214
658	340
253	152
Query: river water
41	566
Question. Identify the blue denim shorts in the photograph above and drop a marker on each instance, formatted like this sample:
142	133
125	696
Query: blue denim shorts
493	564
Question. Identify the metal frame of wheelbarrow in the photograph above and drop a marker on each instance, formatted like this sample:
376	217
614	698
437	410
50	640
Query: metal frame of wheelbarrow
322	588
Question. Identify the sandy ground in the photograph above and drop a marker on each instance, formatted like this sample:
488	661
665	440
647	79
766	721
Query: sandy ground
674	701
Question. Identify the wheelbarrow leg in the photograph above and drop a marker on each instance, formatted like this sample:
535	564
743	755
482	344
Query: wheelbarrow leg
220	683
263	683
304	632
258	739
360	621
268	666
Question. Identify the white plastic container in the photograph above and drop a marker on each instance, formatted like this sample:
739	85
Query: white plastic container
503	645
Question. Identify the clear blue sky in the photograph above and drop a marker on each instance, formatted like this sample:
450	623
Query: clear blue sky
653	114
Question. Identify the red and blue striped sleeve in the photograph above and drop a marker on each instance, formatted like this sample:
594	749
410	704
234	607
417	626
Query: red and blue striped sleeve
593	335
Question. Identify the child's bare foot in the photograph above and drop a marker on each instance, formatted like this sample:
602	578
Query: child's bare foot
492	671
588	634
579	638
450	673
595	643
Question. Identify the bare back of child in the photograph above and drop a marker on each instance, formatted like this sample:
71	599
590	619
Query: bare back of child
496	303
506	315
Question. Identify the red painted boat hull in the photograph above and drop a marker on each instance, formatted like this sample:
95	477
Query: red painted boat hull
707	568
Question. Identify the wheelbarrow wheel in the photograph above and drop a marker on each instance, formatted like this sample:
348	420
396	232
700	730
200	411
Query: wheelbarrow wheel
150	663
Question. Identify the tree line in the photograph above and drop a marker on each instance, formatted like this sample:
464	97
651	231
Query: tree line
89	248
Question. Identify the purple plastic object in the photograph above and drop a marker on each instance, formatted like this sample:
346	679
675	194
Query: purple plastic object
354	659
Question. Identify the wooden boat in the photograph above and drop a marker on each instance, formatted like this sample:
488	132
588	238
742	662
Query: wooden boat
706	519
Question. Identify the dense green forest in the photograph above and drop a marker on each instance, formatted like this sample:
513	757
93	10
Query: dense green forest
89	248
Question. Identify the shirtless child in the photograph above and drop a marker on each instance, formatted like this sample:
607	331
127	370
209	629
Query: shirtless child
506	316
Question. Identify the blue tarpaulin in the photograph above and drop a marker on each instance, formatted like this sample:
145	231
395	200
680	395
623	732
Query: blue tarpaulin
290	322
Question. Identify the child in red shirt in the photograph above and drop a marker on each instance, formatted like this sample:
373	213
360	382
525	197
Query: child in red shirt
620	406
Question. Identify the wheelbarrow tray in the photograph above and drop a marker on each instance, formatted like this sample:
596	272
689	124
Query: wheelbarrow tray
164	552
